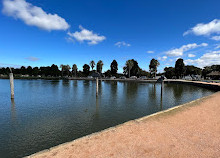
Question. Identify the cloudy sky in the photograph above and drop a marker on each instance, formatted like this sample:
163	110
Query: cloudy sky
43	32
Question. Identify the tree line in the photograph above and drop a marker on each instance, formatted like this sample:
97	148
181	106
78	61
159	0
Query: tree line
180	70
131	68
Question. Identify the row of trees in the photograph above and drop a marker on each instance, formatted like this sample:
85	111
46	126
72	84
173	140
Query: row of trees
180	70
131	68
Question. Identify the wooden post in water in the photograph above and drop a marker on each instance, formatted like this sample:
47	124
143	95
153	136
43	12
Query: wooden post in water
97	86
12	85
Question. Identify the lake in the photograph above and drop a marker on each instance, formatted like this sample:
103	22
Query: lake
46	113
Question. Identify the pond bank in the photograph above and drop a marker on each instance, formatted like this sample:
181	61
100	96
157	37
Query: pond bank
189	130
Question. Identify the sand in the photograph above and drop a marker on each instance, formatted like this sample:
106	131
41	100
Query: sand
191	130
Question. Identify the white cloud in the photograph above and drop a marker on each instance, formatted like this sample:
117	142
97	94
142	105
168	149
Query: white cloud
217	46
32	58
162	58
205	29
86	35
206	59
120	44
216	38
150	52
69	39
191	55
184	48
33	15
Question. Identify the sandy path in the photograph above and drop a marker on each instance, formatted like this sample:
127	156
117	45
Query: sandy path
192	130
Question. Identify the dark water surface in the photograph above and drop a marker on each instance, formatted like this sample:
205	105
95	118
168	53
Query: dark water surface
47	113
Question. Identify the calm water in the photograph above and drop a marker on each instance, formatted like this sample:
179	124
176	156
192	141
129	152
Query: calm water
47	113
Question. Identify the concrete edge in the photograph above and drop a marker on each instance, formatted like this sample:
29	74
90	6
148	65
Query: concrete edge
192	103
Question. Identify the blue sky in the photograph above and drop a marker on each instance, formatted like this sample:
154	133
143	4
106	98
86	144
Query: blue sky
45	32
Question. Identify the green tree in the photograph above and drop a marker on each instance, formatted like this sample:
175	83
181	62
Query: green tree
108	73
29	70
86	69
35	71
169	72
23	70
192	70
54	70
114	67
65	69
74	69
179	68
206	71
153	66
215	67
92	64
129	64
99	66
135	70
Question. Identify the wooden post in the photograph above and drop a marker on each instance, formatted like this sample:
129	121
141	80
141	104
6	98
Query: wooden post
97	86
12	85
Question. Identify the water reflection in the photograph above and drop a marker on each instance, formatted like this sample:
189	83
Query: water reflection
97	108
161	96
131	90
13	110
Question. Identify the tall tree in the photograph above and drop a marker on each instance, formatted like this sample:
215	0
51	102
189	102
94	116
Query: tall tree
54	70
153	66
114	67
129	64
29	70
99	66
23	70
135	70
86	69
179	68
92	64
65	69
74	69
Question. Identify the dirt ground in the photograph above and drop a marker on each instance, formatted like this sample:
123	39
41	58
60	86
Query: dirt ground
191	131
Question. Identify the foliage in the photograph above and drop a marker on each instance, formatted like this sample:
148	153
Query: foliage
74	69
114	67
128	66
54	70
99	66
144	73
108	73
29	70
86	69
169	72
153	66
192	70
179	68
65	70
36	71
92	64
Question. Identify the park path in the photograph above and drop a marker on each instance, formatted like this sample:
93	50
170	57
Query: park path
189	131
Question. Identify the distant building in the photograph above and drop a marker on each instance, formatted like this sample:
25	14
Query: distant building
214	75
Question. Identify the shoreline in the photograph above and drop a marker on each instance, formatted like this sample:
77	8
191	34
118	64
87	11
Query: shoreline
166	113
